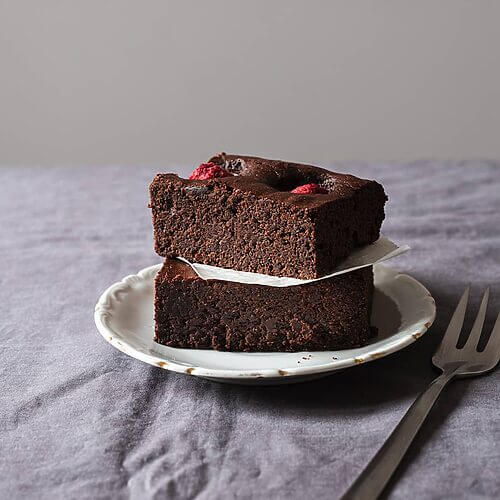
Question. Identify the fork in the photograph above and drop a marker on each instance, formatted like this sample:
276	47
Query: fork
466	361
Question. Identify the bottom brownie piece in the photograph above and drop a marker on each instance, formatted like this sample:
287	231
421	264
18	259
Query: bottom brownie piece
325	315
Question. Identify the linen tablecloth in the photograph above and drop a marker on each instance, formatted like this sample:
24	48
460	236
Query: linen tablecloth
78	419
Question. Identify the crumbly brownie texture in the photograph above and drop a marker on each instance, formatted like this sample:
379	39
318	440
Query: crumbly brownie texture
329	314
251	220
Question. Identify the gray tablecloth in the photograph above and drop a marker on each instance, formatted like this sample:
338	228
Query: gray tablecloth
78	419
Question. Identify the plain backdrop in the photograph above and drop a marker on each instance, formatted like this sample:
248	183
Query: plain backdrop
162	82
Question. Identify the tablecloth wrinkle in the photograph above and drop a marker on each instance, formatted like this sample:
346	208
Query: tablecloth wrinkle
79	419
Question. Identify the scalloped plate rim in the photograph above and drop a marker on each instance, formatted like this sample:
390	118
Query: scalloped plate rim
390	344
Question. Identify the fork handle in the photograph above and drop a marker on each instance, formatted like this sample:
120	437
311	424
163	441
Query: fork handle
373	479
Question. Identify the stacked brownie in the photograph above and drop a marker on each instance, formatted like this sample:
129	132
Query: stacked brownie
270	217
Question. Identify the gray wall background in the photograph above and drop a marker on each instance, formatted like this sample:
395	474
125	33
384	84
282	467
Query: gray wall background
165	82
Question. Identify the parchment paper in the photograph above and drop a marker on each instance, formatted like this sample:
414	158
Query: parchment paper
380	251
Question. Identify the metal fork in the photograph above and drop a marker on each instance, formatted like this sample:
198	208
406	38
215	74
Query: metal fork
466	361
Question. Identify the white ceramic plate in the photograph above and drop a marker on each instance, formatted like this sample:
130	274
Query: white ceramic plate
403	310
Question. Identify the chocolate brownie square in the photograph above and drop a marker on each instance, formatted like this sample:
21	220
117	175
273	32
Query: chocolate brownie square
329	314
265	216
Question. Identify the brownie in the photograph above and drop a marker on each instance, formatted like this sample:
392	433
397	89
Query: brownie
250	220
329	314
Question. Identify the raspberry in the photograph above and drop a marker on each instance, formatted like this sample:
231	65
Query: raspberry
208	171
310	189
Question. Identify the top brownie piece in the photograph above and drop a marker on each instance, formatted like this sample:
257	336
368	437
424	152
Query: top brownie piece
250	220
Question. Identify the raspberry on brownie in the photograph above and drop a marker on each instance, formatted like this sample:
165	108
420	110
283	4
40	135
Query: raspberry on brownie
208	171
309	189
265	216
